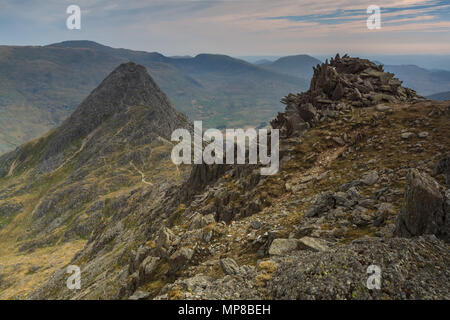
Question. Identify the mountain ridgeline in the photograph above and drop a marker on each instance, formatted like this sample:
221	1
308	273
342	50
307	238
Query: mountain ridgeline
48	82
363	162
299	66
443	96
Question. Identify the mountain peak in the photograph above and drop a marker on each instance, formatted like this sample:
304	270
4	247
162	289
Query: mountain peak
128	86
78	44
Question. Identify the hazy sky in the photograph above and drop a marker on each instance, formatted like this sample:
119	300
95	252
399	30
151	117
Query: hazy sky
235	27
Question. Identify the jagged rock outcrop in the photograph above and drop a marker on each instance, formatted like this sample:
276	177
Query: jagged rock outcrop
337	85
425	210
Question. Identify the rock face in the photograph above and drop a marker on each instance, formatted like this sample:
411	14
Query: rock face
425	210
339	84
229	266
342	273
443	167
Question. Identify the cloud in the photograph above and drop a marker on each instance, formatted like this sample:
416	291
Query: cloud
245	27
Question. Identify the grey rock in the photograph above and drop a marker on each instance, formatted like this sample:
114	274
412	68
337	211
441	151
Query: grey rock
353	193
324	202
341	200
370	178
406	135
180	259
313	244
419	265
382	108
139	295
443	167
339	141
424	211
199	221
229	266
384	210
255	224
147	267
281	247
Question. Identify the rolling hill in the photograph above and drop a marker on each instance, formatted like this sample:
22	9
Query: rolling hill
425	82
298	66
443	96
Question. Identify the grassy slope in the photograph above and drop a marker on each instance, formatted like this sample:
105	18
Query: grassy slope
22	272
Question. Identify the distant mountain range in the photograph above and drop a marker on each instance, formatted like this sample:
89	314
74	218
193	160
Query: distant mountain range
40	86
443	96
425	82
298	66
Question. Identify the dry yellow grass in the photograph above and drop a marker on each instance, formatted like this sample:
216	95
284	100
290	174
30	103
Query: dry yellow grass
18	268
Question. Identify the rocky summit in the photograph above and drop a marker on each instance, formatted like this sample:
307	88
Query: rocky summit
362	186
339	84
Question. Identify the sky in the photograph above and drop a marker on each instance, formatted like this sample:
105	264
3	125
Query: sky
235	27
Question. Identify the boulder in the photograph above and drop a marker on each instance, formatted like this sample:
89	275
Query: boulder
229	266
406	135
255	224
147	267
312	244
281	247
338	92
180	259
443	167
164	241
425	210
323	203
139	295
370	178
383	212
382	108
307	112
199	221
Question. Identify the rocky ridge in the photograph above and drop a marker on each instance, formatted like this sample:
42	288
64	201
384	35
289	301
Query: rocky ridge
333	209
338	85
226	232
